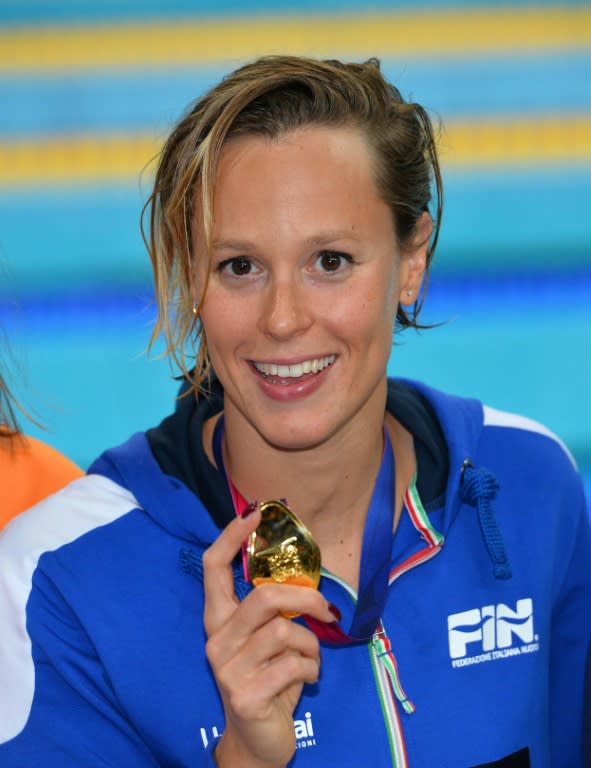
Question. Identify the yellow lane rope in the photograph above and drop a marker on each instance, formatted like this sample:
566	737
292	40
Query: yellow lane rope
113	158
454	32
525	141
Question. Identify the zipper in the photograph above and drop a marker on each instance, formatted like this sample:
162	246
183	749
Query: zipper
387	699
386	694
390	691
383	651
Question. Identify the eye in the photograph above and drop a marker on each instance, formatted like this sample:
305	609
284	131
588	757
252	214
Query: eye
236	267
333	261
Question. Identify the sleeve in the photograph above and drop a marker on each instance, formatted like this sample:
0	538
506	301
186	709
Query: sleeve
571	635
57	707
587	712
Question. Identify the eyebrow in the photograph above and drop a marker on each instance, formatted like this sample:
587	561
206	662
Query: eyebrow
314	241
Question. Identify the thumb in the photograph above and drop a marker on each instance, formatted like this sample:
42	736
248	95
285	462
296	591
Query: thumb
218	579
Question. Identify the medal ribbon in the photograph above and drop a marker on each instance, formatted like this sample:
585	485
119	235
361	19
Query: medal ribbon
375	551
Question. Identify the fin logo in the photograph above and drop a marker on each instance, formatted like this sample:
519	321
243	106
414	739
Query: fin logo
304	733
491	632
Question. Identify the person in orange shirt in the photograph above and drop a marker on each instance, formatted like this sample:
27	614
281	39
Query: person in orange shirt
30	469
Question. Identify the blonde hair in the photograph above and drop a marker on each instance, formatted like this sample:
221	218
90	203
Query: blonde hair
270	97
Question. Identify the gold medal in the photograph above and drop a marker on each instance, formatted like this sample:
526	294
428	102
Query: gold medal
282	549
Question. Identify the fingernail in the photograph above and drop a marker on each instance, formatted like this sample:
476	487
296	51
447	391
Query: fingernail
335	611
250	509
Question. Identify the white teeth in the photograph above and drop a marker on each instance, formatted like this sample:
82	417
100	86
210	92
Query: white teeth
314	365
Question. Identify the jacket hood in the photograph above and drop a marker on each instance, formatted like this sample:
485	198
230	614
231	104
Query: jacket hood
166	499
461	421
449	447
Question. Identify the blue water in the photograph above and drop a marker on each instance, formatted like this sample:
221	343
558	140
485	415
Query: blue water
511	280
84	371
134	101
493	221
39	11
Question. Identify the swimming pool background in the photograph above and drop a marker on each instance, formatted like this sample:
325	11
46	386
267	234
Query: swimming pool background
87	92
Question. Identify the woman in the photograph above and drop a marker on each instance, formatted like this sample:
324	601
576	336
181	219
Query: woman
290	231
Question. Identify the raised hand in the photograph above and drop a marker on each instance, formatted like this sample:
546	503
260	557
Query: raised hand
260	659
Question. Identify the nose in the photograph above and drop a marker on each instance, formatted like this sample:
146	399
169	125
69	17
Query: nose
286	309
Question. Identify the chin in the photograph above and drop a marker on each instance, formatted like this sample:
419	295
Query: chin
296	439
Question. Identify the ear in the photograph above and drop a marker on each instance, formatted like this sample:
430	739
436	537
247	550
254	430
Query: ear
413	260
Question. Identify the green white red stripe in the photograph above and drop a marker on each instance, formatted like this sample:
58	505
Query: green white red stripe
421	522
383	648
389	710
382	657
419	517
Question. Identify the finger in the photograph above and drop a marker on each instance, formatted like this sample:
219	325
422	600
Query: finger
261	606
290	669
270	599
251	699
273	639
218	579
282	635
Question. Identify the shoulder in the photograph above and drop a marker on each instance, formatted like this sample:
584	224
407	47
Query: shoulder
30	471
46	455
49	571
519	450
87	503
514	428
538	479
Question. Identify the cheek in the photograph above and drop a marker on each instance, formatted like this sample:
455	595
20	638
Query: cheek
221	308
220	320
392	282
376	305
377	318
366	323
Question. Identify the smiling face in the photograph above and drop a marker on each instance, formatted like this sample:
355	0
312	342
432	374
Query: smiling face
306	276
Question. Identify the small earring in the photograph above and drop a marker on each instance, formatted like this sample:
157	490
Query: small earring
409	291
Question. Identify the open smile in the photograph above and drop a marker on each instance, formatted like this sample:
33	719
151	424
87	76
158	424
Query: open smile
295	370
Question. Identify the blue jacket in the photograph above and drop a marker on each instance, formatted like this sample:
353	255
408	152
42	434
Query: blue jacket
480	661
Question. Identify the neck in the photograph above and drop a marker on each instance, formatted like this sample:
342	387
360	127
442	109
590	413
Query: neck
328	486
318	481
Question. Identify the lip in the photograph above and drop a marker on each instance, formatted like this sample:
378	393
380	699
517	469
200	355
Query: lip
290	389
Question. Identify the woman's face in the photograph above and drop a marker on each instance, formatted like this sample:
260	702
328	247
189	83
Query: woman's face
305	280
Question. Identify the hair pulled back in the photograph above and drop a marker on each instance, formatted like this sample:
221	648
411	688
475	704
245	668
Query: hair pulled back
271	97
